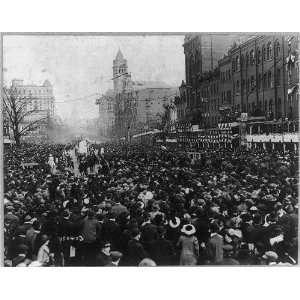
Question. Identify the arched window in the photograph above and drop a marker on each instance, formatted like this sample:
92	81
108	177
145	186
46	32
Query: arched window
197	61
264	53
278	78
242	60
258	56
269	51
252	57
247	59
265	81
279	106
269	79
252	82
270	105
237	63
237	86
277	48
265	106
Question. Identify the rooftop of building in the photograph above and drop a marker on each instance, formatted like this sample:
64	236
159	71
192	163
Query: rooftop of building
20	83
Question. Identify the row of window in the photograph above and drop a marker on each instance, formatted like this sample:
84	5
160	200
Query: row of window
226	97
225	75
33	92
256	56
265	81
39	105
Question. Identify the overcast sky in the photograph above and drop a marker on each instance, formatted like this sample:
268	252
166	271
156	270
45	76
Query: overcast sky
80	66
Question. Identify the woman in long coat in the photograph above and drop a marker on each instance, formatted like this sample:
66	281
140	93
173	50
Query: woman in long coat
189	246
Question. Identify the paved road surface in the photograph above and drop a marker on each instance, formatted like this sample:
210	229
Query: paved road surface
76	165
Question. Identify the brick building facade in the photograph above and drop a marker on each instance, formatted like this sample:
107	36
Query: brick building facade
258	75
106	118
139	105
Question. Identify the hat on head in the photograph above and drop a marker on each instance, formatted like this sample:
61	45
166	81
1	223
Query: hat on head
174	223
253	208
27	218
105	244
22	249
35	264
227	247
147	262
188	229
115	255
270	255
141	204
134	232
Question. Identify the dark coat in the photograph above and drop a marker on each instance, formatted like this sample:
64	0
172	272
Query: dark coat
162	252
111	232
136	253
103	259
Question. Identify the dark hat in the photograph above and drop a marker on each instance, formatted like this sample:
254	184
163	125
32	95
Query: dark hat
246	217
105	244
21	230
22	249
134	232
161	230
214	227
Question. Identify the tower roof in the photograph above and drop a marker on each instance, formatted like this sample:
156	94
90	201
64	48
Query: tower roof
119	55
46	83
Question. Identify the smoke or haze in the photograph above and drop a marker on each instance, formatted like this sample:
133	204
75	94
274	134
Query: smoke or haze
81	66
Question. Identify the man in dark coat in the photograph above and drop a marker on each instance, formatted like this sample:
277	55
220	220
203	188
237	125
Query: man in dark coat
136	251
148	234
111	230
162	250
103	258
89	232
67	232
19	239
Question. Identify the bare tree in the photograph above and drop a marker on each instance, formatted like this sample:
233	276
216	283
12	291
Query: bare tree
16	109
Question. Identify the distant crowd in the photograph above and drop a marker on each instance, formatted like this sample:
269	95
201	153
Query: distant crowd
136	205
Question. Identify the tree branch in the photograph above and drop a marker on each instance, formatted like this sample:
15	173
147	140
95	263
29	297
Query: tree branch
29	126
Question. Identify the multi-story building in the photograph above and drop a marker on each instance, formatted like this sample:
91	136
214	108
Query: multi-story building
225	90
39	97
261	78
39	108
106	113
202	52
258	76
139	105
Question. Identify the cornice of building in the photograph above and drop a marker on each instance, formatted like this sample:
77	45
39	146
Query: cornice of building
245	44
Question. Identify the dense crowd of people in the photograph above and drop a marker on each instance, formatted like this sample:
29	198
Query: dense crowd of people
147	206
